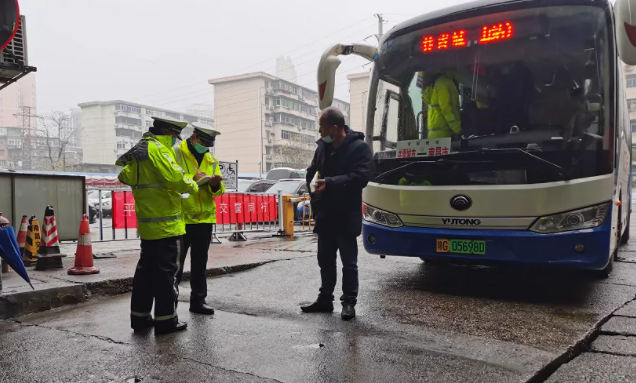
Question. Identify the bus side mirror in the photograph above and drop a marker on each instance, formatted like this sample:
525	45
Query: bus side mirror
625	19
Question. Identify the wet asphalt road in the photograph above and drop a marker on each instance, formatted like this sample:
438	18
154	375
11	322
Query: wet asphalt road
415	322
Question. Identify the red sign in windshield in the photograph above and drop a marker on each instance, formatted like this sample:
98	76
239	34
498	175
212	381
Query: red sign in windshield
460	38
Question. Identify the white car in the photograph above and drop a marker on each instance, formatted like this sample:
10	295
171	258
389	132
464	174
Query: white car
107	203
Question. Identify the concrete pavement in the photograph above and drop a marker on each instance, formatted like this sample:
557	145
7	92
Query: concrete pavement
416	322
117	261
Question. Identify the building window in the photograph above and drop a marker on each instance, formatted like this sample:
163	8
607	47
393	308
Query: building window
175	116
150	112
148	124
119	132
304	138
631	104
631	81
128	121
1	152
128	108
633	122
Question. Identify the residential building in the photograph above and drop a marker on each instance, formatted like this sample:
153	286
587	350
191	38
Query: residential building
18	120
358	92
285	69
201	110
266	122
630	94
110	128
76	118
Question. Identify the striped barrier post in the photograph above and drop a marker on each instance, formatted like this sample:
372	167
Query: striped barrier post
32	244
49	256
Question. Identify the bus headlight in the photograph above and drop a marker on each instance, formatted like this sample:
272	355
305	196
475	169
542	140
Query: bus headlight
380	217
586	218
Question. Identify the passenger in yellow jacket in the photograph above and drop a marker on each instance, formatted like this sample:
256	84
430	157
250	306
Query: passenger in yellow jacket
199	209
442	97
157	182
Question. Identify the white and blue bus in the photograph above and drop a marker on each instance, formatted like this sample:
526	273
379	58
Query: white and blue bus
541	170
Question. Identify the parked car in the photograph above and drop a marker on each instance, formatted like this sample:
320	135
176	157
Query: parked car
295	187
92	212
107	203
277	174
260	186
243	185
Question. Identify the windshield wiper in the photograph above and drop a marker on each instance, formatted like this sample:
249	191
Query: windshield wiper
440	161
443	161
556	168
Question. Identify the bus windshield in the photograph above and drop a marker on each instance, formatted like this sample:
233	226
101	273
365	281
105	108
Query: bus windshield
508	98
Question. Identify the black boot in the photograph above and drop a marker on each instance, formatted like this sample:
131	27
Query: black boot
201	308
318	307
348	311
169	329
142	325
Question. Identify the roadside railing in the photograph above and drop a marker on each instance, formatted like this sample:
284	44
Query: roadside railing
113	211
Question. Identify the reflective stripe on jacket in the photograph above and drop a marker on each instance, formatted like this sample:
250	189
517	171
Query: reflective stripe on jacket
199	207
442	98
157	182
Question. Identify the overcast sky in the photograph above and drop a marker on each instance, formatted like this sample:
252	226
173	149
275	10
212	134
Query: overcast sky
162	52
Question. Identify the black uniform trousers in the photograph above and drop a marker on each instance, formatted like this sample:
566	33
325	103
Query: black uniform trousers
328	245
156	279
197	239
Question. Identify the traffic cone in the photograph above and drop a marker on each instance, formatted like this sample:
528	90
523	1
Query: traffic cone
49	256
32	244
22	233
84	253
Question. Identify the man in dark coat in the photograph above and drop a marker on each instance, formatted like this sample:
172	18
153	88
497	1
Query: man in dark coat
343	165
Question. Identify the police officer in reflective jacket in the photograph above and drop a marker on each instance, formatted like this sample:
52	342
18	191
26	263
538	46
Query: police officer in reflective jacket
157	183
199	209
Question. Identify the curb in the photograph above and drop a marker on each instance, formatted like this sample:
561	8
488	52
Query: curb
30	302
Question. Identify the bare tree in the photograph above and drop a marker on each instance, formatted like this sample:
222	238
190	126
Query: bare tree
295	154
55	133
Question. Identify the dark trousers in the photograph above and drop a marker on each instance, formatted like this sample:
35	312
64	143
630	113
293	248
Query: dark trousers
197	239
328	246
156	279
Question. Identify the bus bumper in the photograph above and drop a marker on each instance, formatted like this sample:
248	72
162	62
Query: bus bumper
520	247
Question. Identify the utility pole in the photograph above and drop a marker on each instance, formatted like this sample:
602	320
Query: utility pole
381	23
25	123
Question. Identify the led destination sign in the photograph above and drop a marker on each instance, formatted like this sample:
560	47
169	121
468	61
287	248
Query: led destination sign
459	38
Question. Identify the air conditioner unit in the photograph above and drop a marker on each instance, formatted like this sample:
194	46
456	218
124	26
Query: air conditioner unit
268	124
269	140
17	47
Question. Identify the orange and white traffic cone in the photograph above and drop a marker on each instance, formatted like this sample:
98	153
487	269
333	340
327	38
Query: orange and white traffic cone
84	253
22	233
49	256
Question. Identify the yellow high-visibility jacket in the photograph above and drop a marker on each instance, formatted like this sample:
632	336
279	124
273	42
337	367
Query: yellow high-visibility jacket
199	207
157	181
442	98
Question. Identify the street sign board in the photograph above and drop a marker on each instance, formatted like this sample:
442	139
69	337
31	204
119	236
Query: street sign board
229	171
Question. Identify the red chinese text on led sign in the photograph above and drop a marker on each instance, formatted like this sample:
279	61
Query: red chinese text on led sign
456	39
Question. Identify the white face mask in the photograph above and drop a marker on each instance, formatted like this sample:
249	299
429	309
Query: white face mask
327	139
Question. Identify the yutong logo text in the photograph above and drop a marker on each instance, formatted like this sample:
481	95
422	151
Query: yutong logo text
461	221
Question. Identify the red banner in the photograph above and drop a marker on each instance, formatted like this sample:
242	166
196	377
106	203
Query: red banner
245	208
124	215
231	208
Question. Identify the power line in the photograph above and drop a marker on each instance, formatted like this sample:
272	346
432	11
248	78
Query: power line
258	63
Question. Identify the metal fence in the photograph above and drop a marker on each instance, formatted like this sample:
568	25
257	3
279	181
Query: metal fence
238	214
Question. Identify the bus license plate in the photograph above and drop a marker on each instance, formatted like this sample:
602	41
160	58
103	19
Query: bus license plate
461	246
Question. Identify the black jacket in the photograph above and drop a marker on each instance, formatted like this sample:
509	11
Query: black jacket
347	170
